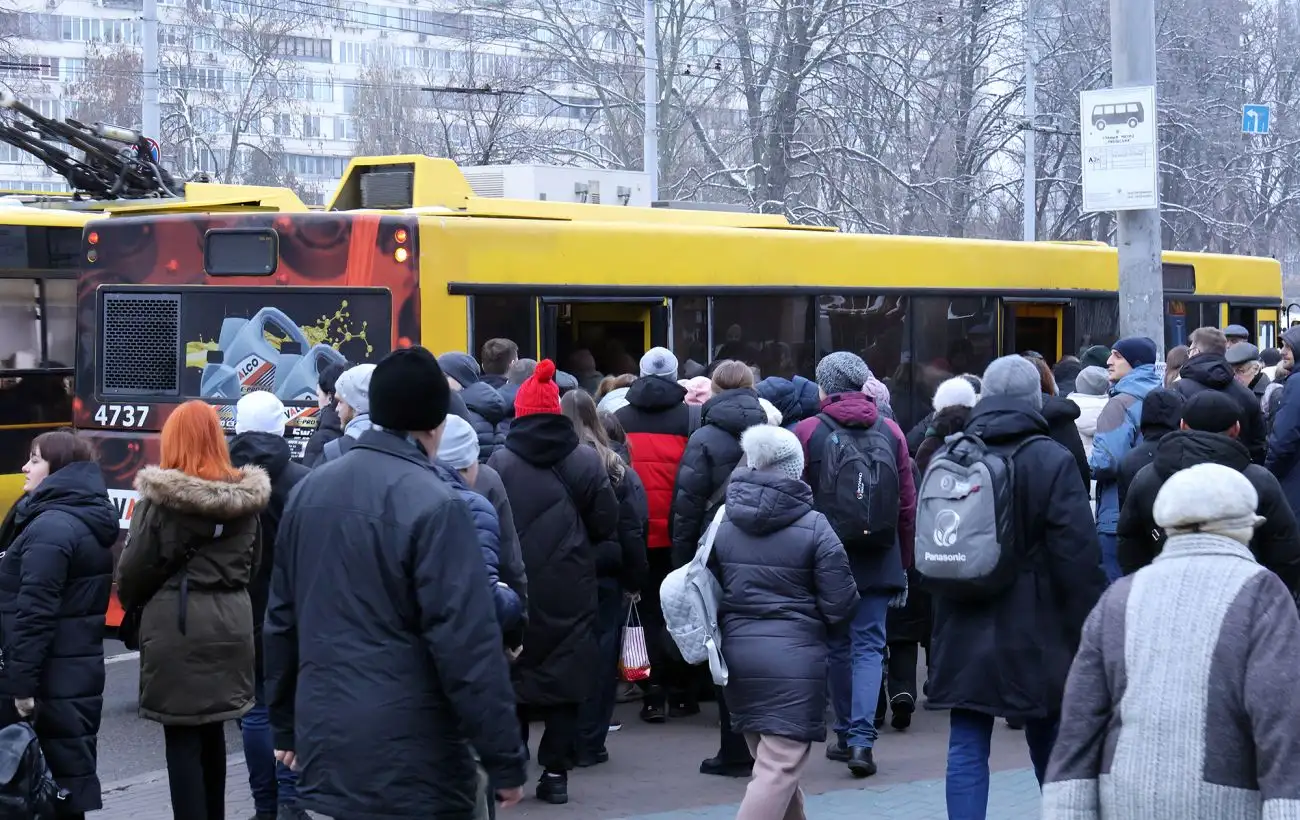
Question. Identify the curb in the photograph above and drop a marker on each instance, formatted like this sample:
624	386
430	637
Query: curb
159	774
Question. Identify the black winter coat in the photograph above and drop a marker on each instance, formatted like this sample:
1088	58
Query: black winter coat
712	453
1210	371
1060	415
55	580
1162	414
489	415
1009	656
271	453
633	522
564	507
380	611
785	580
328	428
1276	544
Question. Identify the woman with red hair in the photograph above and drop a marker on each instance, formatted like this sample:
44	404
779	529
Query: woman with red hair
194	543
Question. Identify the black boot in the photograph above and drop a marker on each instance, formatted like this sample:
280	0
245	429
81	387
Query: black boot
720	767
553	788
903	706
861	763
837	751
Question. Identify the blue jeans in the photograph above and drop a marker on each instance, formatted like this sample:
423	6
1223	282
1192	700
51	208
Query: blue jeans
969	736
272	783
1110	556
857	656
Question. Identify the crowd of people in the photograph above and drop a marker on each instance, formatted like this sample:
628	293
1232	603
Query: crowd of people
454	559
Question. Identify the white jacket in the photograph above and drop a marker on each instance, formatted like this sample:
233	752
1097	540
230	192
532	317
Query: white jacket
1089	410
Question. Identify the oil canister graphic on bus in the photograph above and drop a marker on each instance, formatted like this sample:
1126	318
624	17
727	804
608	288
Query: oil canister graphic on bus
298	374
247	349
219	380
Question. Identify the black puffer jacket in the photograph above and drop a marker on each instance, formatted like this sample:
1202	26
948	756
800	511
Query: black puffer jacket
1162	414
488	414
328	428
633	522
1060	415
55	579
1009	656
271	453
1276	544
712	453
785	579
564	507
1210	371
380	609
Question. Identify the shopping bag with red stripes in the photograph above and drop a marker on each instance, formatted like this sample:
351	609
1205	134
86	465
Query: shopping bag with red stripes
634	660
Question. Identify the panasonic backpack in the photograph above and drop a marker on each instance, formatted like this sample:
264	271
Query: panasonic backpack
966	546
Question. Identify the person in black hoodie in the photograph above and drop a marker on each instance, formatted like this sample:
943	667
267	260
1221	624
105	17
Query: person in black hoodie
329	426
1207	369
564	509
55	579
1162	413
1060	414
487	410
259	440
1210	434
620	569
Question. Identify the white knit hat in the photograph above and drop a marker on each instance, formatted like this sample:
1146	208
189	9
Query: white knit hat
773	449
259	412
1209	498
956	392
459	444
353	387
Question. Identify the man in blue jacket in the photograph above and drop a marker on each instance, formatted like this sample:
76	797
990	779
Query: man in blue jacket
1132	371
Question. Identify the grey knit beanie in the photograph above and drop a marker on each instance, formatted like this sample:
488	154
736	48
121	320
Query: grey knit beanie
842	372
1092	381
659	361
1016	378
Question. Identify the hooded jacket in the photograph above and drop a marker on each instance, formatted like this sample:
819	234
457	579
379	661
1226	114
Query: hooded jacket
1284	442
1211	371
1162	414
1118	431
488	529
1276	544
1062	416
633	520
271	453
196	632
384	661
328	428
1009	656
658	423
488	483
881	571
785	582
711	454
564	508
796	398
55	579
489	415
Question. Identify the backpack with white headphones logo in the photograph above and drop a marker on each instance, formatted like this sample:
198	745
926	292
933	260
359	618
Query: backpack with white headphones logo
965	526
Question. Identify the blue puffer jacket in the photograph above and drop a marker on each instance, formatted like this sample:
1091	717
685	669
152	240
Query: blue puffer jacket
797	399
510	612
1119	429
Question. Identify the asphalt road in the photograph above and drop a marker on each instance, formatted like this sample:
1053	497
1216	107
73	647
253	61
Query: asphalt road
130	746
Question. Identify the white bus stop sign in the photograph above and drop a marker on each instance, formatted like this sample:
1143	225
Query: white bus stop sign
1118	127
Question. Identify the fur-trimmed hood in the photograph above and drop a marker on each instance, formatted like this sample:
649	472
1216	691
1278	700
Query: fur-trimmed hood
222	500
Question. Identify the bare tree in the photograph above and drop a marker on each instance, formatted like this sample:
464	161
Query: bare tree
108	89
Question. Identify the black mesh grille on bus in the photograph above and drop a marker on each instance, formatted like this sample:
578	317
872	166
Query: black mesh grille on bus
385	190
141	350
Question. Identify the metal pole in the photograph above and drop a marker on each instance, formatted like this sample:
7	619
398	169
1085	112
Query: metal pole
1141	284
151	119
650	146
1031	111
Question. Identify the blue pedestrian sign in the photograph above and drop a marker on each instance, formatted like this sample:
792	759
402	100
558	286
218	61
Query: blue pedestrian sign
1255	119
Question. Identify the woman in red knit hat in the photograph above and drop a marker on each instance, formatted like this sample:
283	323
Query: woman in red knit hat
563	507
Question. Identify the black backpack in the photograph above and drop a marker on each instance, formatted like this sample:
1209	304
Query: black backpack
857	487
27	789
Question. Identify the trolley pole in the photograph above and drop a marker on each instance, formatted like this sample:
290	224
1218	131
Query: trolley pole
650	146
1141	283
151	118
1030	196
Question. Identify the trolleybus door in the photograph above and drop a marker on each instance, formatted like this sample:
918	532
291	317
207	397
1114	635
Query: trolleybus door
1033	327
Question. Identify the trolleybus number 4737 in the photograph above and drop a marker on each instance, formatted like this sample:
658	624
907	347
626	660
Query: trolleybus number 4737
122	415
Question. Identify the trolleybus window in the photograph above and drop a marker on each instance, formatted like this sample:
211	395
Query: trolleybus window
773	333
691	329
